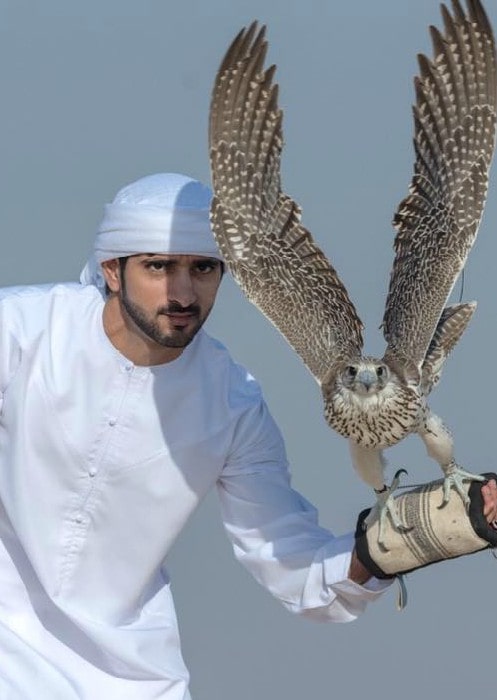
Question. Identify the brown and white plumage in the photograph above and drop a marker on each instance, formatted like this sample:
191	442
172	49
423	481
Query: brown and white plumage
374	403
257	226
454	138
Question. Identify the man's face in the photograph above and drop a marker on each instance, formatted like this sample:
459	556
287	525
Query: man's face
167	298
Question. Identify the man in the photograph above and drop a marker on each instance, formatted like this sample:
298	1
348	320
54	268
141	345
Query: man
118	414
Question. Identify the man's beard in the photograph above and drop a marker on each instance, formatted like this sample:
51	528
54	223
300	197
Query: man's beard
177	338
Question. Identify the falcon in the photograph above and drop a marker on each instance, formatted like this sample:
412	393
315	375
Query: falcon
374	403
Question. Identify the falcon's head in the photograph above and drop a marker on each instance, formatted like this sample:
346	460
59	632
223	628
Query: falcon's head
367	401
366	377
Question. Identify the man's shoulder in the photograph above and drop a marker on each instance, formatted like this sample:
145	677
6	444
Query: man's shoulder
38	293
224	369
31	308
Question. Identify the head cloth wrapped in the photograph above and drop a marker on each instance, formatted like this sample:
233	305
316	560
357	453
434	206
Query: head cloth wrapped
163	213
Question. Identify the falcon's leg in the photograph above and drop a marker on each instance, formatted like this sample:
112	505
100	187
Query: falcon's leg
370	465
440	446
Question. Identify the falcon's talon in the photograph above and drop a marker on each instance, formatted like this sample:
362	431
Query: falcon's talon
385	506
454	479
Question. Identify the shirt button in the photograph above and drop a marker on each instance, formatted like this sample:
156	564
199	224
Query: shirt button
112	422
79	519
128	368
92	471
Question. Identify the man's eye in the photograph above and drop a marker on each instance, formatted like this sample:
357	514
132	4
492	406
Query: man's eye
156	266
206	267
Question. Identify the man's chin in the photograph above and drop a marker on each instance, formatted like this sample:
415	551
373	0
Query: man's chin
178	338
175	342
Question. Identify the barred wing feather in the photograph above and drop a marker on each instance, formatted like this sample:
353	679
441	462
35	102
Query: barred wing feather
454	140
271	255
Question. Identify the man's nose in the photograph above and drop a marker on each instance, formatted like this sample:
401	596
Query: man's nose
181	289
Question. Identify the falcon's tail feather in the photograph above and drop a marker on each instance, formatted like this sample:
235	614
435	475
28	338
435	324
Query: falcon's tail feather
452	324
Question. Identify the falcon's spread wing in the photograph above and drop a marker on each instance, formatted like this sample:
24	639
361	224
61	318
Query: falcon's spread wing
257	227
454	140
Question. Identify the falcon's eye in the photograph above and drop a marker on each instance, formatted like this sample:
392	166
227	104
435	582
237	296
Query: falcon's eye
351	371
380	372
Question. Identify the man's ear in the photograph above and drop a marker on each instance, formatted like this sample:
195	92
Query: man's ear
112	274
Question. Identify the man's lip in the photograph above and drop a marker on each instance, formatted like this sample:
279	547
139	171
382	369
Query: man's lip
181	319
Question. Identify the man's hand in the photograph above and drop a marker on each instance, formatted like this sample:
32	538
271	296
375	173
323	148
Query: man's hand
489	493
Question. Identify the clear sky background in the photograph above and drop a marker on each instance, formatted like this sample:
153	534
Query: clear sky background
95	94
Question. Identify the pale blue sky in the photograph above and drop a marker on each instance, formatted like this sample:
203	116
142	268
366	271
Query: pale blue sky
98	93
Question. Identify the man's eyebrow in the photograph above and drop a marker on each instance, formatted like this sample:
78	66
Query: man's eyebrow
159	256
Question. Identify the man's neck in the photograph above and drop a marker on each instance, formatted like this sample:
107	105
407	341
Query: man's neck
130	341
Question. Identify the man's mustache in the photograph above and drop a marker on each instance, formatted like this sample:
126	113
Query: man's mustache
175	308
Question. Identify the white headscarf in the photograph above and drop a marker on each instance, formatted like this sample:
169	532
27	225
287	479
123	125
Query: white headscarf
163	213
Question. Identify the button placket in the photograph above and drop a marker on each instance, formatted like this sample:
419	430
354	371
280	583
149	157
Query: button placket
79	522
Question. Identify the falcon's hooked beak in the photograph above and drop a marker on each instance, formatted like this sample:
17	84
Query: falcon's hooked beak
367	378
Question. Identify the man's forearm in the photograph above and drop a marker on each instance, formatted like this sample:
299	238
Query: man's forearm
357	571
